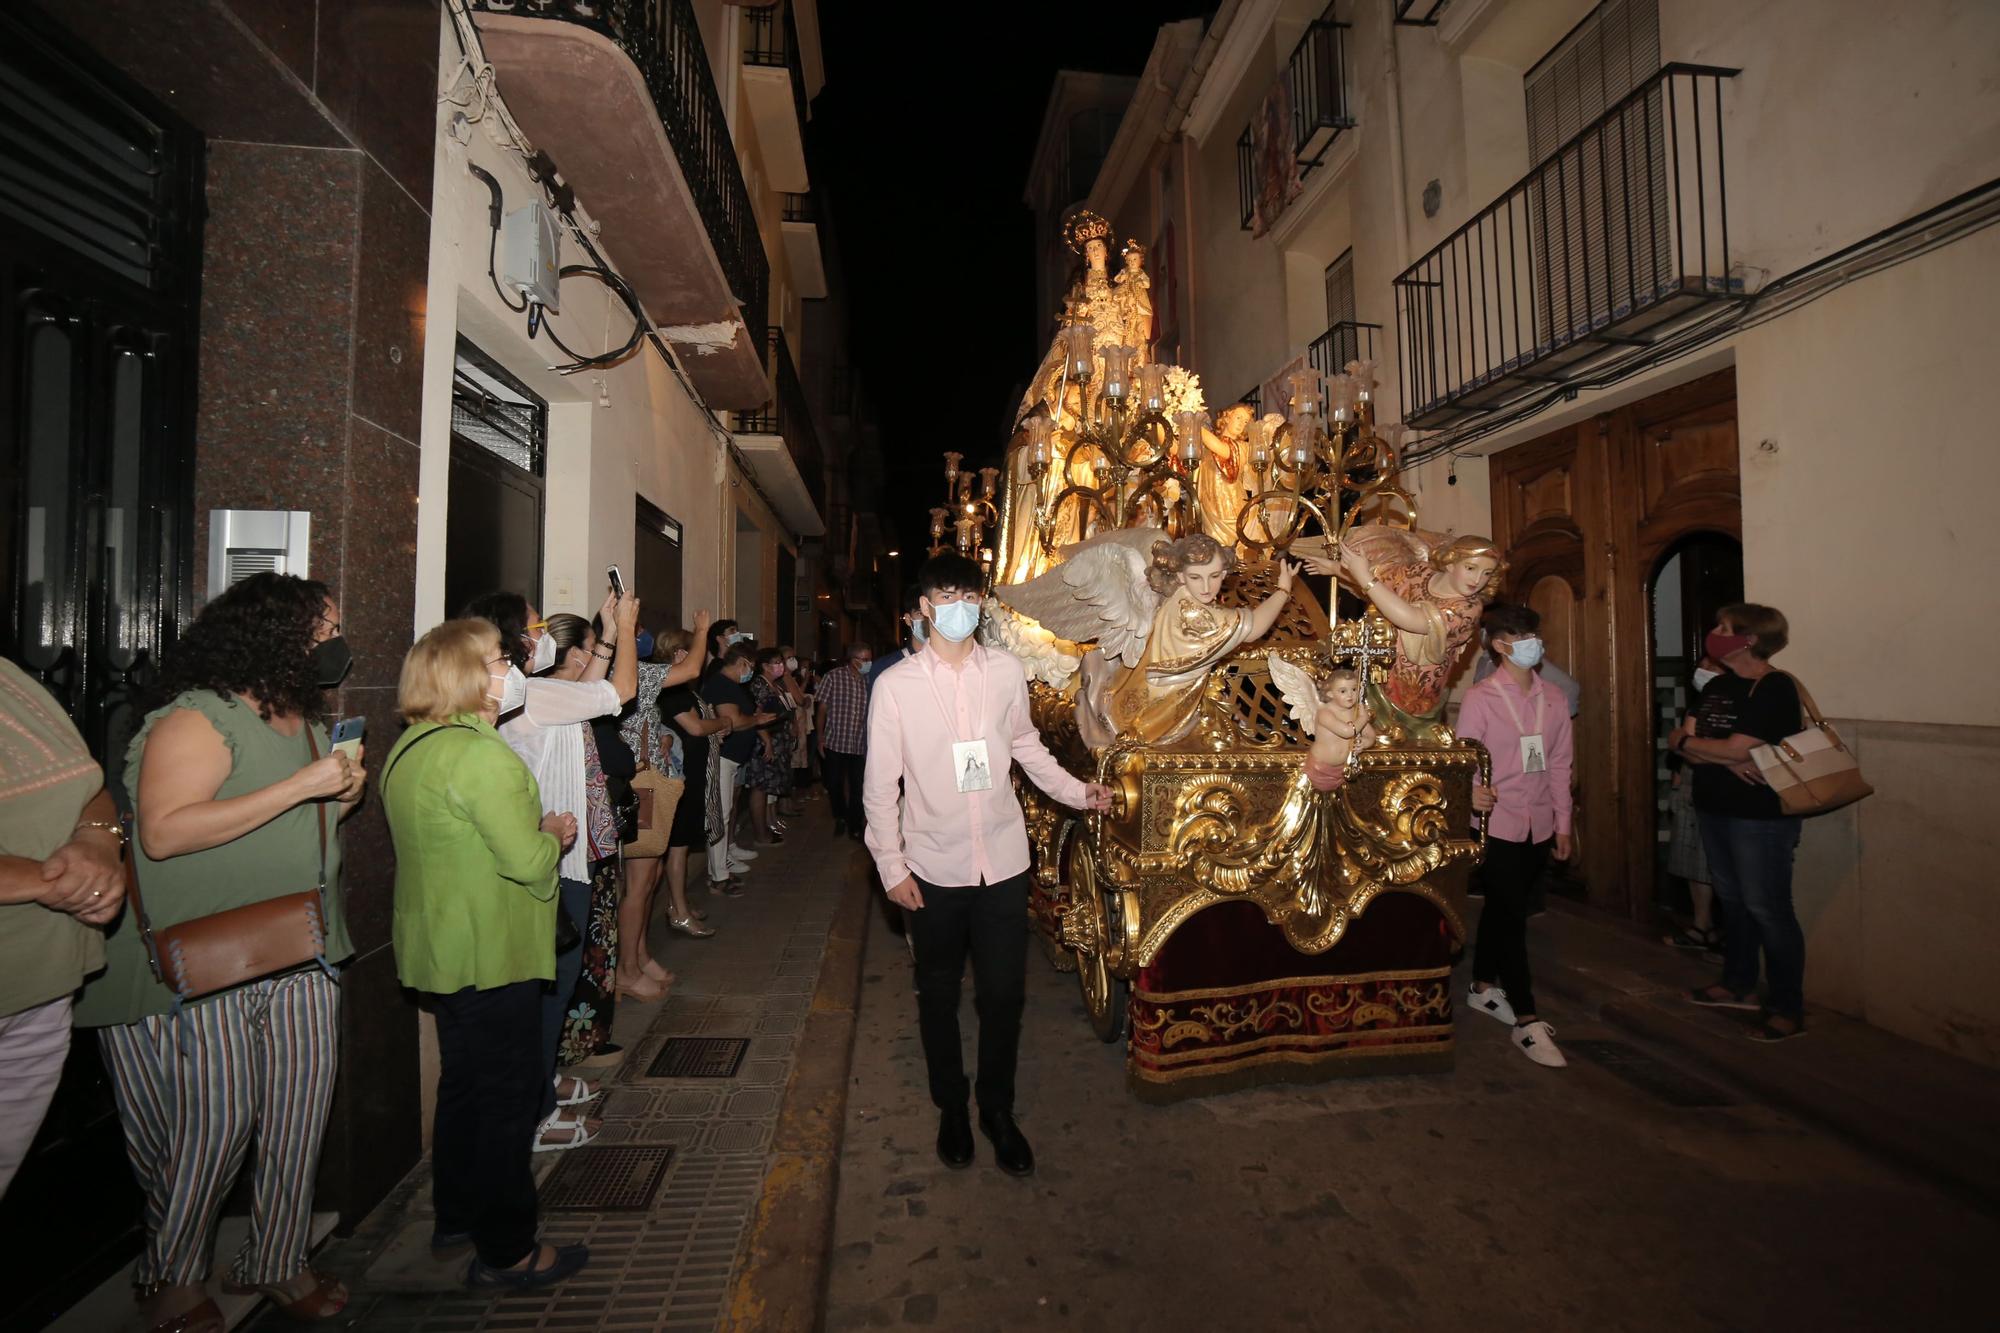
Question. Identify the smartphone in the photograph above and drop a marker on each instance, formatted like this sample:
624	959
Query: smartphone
617	579
347	735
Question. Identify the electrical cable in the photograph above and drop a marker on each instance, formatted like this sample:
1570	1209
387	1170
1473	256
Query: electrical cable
609	278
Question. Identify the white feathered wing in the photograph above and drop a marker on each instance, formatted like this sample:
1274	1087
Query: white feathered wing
1098	594
1301	691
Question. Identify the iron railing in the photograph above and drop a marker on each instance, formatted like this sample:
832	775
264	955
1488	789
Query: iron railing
663	38
788	414
1618	235
799	208
1348	340
1317	74
771	40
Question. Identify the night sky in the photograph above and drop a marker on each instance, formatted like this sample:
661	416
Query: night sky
920	150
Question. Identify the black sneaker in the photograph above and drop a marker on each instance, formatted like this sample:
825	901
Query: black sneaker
569	1261
954	1141
1011	1152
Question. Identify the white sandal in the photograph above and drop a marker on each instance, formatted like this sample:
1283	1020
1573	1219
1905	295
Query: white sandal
584	1092
579	1132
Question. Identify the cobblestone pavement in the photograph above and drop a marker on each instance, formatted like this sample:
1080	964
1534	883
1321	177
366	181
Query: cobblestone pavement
1624	1192
668	1263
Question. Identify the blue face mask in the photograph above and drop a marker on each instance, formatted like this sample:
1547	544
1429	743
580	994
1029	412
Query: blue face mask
955	620
920	631
643	641
1525	653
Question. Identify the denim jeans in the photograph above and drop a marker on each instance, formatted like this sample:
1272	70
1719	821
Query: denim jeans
1750	863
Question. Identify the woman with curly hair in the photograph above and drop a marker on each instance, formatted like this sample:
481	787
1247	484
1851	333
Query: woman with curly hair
235	800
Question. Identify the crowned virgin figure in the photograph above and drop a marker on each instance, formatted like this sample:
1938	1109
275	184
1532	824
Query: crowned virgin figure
1091	299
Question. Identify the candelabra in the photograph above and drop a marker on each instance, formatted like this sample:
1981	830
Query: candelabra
968	513
1329	465
1141	465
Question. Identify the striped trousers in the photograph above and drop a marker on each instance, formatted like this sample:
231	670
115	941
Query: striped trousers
196	1090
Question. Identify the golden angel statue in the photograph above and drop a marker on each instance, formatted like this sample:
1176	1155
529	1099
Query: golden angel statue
1331	713
1223	482
1135	297
1432	589
1148	603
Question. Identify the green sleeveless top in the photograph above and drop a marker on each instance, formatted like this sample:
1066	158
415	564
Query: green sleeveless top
278	858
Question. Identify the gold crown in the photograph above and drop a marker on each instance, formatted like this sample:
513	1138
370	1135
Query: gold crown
1083	228
1133	247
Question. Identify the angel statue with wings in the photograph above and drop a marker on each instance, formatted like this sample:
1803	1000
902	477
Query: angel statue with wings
1148	603
1432	589
1332	714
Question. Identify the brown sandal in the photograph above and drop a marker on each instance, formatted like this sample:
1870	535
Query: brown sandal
326	1298
203	1318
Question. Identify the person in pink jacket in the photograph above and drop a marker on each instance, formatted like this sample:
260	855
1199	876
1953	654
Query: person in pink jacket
1523	721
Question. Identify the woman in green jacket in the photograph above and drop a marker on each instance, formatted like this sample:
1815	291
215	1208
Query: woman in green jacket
474	931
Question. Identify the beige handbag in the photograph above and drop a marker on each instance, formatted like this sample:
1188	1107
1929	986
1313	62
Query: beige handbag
657	795
1814	771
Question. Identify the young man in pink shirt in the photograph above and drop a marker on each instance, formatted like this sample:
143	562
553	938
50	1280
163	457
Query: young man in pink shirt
945	728
1523	722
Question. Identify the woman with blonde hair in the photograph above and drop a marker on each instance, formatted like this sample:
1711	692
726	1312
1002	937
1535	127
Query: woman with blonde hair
474	933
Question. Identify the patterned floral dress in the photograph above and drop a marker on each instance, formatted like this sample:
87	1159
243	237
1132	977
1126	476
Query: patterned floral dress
772	773
587	1023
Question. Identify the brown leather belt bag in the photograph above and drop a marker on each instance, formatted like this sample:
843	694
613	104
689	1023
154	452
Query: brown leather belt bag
244	944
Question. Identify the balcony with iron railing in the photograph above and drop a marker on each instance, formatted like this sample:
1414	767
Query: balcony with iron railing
807	266
1345	341
774	80
1316	79
1585	269
780	444
620	95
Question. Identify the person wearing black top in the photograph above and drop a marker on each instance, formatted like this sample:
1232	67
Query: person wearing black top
680	709
1749	839
724	688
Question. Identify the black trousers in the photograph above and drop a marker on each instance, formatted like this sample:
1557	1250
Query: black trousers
843	787
1500	951
989	921
491	1077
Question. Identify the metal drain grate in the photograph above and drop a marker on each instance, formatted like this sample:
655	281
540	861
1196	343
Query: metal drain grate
1653	1077
608	1180
699	1057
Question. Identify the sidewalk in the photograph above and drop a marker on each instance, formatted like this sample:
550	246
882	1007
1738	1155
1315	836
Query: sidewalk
667	1195
1918	1107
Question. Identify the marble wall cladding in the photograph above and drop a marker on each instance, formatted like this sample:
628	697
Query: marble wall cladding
378	577
390	305
212	70
278	263
289	29
368	859
377	76
374	1132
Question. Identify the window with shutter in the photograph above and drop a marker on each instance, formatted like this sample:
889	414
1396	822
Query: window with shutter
1598	212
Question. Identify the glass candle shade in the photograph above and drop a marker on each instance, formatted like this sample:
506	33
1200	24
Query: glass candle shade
1302	390
1118	372
1039	430
1153	387
1340	392
1187	435
1391	436
937	522
951	462
1077	339
1363	372
988	478
964	534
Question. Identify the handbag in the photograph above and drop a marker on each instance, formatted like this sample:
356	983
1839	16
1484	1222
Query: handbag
657	796
243	944
1813	771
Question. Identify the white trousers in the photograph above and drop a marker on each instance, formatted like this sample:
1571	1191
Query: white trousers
722	845
33	1045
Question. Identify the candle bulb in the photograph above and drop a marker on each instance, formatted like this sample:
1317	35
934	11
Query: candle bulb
1363	372
1077	340
1117	372
1153	387
937	522
1187	434
989	477
1302	386
1039	430
1340	397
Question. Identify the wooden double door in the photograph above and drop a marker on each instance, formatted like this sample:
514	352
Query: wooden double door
1586	514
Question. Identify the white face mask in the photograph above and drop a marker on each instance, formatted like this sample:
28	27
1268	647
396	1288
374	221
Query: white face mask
544	655
791	664
513	688
1702	675
955	620
1525	653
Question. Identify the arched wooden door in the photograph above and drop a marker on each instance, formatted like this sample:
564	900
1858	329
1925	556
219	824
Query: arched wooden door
1584	514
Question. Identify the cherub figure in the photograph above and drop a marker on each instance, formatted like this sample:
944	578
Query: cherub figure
1149	604
1331	713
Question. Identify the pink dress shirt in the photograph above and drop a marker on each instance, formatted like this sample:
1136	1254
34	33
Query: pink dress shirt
1533	807
930	828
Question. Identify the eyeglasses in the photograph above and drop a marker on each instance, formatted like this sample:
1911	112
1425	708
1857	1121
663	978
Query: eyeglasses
502	658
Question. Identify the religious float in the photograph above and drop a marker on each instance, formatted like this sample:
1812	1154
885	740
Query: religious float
1274	893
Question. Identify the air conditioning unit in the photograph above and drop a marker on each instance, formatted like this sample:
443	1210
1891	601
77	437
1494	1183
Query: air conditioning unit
242	542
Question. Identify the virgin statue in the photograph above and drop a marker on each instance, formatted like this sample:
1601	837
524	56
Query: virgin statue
1432	589
1091	300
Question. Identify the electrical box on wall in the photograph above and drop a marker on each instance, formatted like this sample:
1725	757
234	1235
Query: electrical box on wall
242	542
531	254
